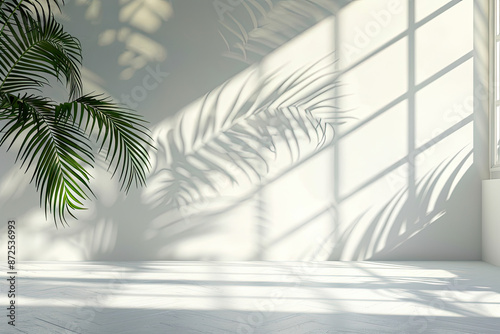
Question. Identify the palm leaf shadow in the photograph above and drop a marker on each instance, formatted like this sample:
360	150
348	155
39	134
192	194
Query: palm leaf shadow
240	141
384	232
260	27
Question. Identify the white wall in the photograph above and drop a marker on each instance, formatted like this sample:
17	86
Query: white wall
400	180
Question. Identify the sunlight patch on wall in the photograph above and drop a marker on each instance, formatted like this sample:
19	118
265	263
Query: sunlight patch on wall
427	7
138	22
299	206
93	10
453	26
364	153
444	103
367	25
376	84
145	15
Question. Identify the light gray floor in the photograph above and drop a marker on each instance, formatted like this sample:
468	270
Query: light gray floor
255	297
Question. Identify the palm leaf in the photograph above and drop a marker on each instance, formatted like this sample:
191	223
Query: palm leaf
34	49
119	131
58	152
54	138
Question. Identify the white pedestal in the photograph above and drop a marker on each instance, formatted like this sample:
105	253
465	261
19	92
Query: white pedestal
491	221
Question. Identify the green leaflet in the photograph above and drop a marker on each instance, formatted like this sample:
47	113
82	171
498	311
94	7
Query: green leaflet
55	137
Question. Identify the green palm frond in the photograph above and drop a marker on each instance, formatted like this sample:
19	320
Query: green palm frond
120	131
58	152
54	138
33	49
12	6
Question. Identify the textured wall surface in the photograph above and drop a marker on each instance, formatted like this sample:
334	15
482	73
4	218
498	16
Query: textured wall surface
286	130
